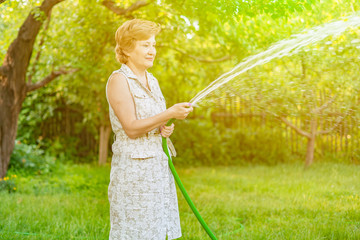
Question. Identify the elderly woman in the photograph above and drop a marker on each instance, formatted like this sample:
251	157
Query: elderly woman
142	192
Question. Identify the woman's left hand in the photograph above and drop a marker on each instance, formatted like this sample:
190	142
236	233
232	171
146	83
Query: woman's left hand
166	131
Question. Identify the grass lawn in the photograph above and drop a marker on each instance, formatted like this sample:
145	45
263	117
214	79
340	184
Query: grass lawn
252	202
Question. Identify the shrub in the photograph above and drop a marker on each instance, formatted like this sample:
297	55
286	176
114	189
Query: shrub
210	144
30	159
8	184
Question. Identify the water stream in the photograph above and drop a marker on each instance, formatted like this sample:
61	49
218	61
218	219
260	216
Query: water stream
283	48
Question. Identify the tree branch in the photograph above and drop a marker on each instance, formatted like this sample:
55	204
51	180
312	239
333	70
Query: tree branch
303	68
49	78
283	119
291	73
325	105
340	119
33	70
315	71
20	50
2	1
298	130
222	59
125	11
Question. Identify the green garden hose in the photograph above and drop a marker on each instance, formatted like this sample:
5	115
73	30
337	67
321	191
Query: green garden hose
181	186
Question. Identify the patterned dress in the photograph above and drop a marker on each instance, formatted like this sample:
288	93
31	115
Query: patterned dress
142	191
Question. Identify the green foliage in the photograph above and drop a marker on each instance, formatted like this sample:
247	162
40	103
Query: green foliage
8	184
63	148
210	144
40	111
31	160
38	14
83	38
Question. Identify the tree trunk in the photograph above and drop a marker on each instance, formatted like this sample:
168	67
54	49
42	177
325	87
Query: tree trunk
310	151
311	143
104	143
8	126
13	86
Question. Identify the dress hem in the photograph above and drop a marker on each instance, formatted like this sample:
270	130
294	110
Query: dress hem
174	237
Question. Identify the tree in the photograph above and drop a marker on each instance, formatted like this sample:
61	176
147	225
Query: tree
180	36
319	87
271	87
14	86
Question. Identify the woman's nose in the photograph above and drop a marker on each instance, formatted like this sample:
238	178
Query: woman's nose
152	51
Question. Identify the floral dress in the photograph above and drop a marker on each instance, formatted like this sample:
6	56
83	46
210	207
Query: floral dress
142	191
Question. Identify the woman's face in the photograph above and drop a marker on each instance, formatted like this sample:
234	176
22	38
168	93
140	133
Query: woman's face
143	54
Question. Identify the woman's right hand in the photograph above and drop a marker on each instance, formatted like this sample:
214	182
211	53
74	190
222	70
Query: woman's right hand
180	110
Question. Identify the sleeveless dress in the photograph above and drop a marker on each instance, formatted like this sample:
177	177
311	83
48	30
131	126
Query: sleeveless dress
142	191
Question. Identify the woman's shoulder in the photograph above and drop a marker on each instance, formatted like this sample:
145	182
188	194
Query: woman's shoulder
117	73
116	76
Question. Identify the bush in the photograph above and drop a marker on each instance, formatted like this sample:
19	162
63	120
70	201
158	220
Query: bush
30	160
217	145
8	184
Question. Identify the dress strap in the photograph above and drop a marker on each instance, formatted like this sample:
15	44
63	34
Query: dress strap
127	80
128	83
107	83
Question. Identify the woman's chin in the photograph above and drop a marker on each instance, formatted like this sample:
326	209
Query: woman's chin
149	65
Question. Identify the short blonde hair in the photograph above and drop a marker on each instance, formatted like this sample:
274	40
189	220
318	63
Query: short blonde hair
130	32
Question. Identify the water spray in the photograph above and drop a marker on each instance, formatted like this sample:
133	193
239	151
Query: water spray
280	49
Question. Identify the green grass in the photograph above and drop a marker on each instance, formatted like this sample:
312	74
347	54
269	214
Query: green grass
270	202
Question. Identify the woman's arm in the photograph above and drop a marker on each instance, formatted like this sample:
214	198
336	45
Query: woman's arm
123	105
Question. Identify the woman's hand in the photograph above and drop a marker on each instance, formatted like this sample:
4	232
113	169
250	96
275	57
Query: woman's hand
166	131
180	110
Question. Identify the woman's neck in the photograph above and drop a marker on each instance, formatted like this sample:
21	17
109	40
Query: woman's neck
139	72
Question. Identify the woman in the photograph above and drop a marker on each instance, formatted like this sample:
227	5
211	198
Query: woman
142	192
